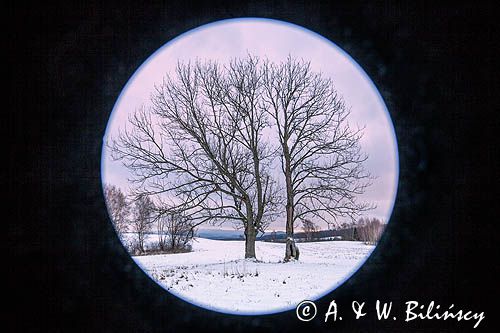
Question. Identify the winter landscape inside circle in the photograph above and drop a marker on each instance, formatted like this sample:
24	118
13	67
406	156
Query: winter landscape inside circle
248	165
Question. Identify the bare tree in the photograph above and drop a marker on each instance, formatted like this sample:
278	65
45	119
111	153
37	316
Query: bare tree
162	231
142	221
369	230
200	147
118	208
309	228
321	158
176	232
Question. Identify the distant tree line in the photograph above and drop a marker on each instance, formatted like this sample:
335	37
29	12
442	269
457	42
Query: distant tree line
367	230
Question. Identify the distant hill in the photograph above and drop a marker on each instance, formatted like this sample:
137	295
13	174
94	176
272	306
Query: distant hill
222	234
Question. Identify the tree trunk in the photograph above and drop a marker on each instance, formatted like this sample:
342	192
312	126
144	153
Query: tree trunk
250	232
291	250
141	243
250	236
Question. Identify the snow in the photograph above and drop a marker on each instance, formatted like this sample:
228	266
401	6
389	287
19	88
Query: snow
217	277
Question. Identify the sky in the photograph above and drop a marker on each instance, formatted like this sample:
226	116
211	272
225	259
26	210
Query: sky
274	40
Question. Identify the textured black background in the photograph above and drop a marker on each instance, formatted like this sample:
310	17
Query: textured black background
66	65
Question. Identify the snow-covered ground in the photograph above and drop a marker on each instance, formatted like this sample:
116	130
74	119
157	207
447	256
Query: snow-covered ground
216	276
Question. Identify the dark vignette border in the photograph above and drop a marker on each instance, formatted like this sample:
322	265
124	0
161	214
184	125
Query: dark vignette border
67	64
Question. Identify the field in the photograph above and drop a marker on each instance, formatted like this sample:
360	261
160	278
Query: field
216	276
